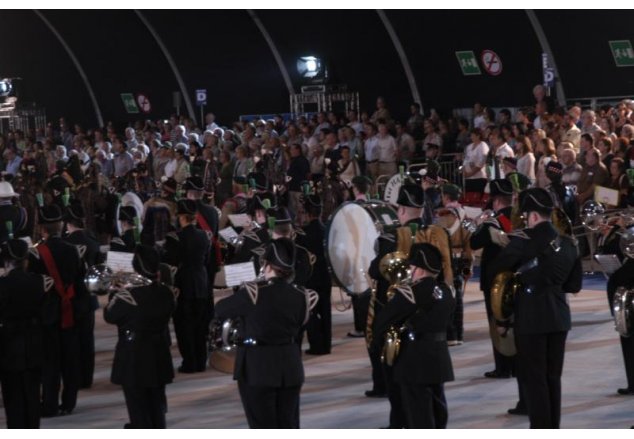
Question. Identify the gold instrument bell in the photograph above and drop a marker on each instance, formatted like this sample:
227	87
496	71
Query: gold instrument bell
395	269
503	289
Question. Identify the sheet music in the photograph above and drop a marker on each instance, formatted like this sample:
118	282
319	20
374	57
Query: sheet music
240	220
235	274
120	261
609	263
228	234
606	196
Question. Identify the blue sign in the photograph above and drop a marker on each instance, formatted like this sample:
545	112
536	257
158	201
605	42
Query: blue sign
201	97
549	77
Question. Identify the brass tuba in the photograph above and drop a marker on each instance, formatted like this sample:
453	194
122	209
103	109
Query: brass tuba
395	269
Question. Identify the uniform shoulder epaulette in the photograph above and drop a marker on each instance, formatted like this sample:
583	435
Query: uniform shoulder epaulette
172	235
81	250
253	236
48	283
407	292
519	234
117	241
122	295
252	288
259	250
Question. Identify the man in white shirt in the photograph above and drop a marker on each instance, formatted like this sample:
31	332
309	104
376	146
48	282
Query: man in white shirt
387	151
353	122
473	166
571	133
371	152
130	136
210	121
500	149
308	140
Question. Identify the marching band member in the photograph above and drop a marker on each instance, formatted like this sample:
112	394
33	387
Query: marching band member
548	266
268	365
624	277
410	202
142	362
319	327
256	235
189	249
360	187
127	242
422	311
62	262
488	236
89	247
236	204
22	300
450	218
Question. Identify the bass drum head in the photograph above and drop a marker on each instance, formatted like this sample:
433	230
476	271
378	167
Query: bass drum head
350	242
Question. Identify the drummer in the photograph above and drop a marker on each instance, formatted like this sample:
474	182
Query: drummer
360	187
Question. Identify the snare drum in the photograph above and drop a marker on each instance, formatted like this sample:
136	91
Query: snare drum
350	241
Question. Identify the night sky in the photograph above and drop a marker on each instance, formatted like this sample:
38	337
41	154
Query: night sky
225	53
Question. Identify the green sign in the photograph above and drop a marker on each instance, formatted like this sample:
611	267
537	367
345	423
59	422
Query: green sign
129	103
468	62
622	53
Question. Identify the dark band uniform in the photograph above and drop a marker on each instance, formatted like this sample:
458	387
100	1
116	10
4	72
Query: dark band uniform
482	239
410	195
22	298
423	364
256	237
142	360
190	250
541	311
127	242
624	277
61	341
268	365
89	247
319	327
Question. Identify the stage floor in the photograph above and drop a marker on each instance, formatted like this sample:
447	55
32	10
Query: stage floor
332	396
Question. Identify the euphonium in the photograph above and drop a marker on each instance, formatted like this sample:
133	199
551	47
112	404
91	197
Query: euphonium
395	269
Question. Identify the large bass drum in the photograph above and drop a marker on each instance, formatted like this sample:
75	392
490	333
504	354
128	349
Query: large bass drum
350	241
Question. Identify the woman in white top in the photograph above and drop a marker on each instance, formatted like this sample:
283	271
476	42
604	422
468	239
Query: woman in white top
547	152
525	157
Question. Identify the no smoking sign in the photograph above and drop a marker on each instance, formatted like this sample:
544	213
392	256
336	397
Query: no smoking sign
491	62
